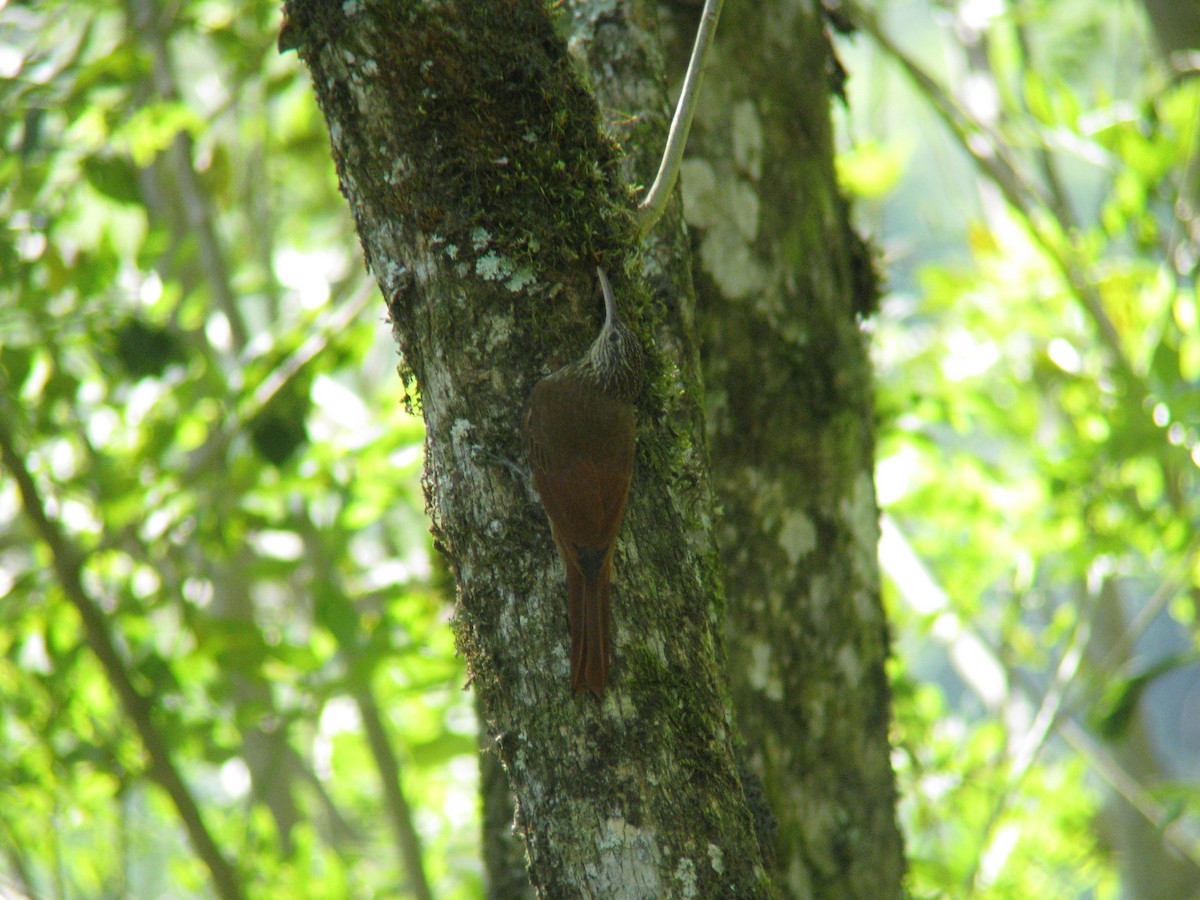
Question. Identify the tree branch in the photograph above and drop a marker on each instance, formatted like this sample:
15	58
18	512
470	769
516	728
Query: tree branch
399	813
655	202
196	206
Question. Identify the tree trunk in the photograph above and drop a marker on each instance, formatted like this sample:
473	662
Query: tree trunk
783	283
484	195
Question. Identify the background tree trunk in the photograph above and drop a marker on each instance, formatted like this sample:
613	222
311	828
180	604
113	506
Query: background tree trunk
484	195
784	282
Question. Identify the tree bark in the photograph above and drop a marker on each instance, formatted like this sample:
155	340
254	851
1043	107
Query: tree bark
484	194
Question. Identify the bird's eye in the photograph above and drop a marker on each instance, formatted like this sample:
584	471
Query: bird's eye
613	337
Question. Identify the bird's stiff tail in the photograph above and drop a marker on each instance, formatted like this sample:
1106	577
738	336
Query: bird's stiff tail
590	621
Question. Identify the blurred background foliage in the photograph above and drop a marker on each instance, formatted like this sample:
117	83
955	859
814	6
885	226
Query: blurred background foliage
1029	170
198	393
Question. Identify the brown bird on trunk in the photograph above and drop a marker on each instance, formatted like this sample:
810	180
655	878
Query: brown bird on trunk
579	435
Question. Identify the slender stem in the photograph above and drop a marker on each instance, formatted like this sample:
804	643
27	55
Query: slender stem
655	203
399	813
197	205
68	565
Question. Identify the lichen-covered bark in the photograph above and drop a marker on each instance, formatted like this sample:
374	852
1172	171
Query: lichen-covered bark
783	285
484	195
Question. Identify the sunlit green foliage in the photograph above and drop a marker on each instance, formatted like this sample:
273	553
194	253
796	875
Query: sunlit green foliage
1038	363
195	373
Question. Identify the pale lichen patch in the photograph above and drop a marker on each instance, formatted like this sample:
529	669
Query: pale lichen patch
743	203
747	139
698	181
493	267
629	862
730	261
797	536
761	674
859	512
522	278
685	875
716	858
850	664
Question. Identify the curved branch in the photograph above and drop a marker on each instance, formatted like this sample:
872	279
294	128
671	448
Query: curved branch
652	207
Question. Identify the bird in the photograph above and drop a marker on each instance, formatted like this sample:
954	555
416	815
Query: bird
579	437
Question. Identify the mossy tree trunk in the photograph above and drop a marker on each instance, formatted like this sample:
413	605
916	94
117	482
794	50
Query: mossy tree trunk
484	194
784	284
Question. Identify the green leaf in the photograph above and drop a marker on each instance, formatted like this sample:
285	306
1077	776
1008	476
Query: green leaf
116	177
870	169
1114	713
